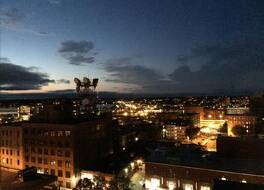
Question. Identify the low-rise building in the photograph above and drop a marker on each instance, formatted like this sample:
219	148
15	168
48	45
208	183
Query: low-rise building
189	168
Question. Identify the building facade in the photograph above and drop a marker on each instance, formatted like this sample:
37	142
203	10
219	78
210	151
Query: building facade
57	149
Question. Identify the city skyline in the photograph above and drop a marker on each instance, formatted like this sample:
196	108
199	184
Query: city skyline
132	46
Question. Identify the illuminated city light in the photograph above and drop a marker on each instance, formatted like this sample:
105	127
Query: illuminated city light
244	181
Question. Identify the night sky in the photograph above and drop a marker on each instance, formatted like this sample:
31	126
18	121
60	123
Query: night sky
145	46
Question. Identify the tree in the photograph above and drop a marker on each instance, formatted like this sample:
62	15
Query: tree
84	184
99	182
191	132
224	127
121	183
238	130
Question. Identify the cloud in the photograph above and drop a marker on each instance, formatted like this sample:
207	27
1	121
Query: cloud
63	81
229	67
13	19
226	68
54	2
126	70
16	77
10	17
78	52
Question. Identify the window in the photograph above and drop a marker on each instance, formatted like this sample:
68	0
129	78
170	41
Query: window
60	183
3	151
59	163
67	154
11	152
67	133
33	150
27	159
52	152
67	164
205	187
39	151
46	152
52	133
33	159
18	153
68	185
46	171
60	173
7	151
40	160
45	160
60	133
52	172
68	174
187	186
52	162
18	162
59	153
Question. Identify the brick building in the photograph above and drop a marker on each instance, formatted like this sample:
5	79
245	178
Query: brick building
59	149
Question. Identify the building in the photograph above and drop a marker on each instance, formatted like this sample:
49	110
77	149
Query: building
247	147
11	152
195	109
9	114
232	185
187	167
247	122
176	129
192	118
59	149
237	111
214	114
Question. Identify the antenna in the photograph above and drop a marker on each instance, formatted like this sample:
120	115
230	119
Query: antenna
95	82
86	82
78	84
84	87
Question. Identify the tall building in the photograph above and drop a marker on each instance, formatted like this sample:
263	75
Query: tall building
59	149
11	153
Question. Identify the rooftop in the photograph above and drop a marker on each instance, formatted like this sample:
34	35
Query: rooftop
231	185
194	156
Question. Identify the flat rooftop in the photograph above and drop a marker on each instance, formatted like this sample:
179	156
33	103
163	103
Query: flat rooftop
8	181
194	156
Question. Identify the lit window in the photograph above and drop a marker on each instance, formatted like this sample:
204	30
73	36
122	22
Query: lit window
171	185
187	186
204	187
67	164
60	133
52	162
67	133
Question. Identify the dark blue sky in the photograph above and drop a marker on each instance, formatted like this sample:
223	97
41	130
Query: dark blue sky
133	45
